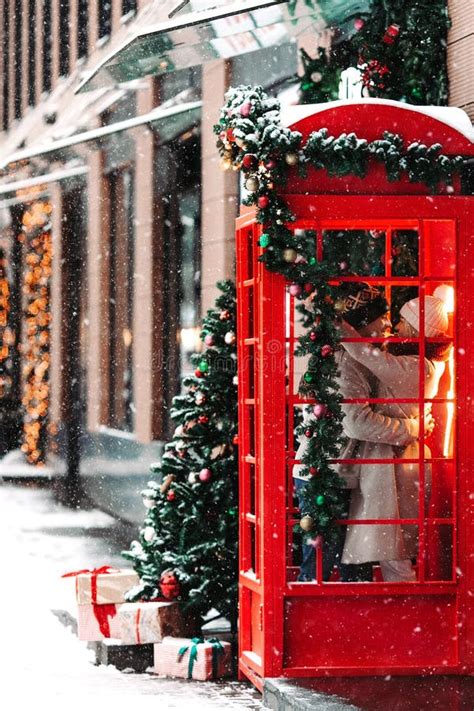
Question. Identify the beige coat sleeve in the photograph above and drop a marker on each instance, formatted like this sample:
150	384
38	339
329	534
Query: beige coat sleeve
360	421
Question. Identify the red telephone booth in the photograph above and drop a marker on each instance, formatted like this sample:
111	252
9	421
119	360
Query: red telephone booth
302	629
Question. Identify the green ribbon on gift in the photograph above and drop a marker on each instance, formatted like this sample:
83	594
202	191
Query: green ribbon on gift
217	650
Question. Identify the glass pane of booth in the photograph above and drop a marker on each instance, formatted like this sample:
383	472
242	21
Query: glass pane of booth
400	507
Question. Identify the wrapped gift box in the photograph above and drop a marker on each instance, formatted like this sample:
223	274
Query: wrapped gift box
145	622
104	585
96	622
192	658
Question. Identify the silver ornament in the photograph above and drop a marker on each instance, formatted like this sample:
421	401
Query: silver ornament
290	255
291	159
251	184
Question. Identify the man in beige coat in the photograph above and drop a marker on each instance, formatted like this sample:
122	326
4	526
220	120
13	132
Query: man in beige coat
367	311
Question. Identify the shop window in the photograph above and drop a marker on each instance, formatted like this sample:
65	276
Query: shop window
47	45
122	237
64	34
105	18
82	27
31	51
18	51
129	7
178	186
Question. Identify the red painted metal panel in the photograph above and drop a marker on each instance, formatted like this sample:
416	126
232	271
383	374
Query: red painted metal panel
365	631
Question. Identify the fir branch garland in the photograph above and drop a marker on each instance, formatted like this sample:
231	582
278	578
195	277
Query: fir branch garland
251	138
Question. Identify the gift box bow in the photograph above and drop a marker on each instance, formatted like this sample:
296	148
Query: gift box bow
94	573
217	651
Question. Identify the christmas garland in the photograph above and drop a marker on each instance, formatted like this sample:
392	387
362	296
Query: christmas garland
251	138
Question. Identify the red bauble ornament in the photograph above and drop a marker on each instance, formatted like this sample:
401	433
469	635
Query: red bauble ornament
320	410
313	336
203	419
313	471
308	288
249	161
344	266
326	351
391	33
209	340
205	475
308	433
263	202
198	373
225	315
270	164
171	495
169	586
230	135
358	24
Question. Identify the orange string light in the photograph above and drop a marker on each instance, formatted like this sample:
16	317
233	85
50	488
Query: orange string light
36	236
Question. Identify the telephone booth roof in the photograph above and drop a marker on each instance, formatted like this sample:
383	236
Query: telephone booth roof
369	118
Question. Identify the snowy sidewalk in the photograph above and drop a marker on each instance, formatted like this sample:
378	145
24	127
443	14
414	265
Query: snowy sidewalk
40	660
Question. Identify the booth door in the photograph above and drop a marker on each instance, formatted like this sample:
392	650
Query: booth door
409	247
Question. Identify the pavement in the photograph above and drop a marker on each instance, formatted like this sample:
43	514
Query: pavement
41	660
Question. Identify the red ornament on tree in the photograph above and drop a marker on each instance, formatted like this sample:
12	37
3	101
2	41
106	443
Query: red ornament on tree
391	34
230	135
313	471
198	373
313	335
263	202
308	433
169	586
225	315
203	419
308	288
249	161
326	351
171	495
270	164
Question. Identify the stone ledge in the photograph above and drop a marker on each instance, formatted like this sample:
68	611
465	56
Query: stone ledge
284	695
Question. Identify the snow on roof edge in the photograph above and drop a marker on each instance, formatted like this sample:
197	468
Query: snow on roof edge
451	116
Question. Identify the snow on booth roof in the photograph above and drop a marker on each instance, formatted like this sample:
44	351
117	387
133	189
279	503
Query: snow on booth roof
428	124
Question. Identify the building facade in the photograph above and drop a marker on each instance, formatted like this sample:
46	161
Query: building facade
115	197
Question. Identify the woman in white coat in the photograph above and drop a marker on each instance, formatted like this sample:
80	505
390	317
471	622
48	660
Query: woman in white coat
391	491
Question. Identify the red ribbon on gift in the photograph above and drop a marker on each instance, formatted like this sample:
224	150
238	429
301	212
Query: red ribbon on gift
94	573
102	614
137	625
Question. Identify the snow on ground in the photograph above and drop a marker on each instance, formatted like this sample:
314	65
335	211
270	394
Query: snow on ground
42	661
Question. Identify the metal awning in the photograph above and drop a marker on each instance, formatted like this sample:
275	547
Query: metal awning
223	32
167	121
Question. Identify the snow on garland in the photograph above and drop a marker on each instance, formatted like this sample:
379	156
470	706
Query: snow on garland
252	139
